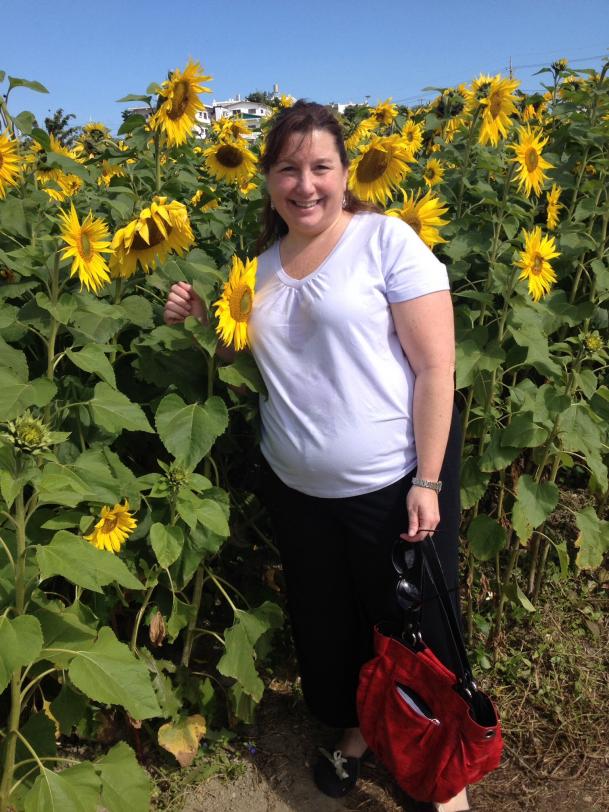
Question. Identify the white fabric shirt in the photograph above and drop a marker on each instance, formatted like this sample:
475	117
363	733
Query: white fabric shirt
338	418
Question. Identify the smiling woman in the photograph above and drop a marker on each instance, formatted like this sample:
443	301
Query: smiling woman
351	328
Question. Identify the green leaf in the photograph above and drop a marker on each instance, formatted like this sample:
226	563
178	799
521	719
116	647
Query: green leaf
525	327
243	372
62	311
211	515
181	613
14	360
468	355
108	672
238	661
114	412
16	395
534	503
486	537
204	335
68	708
579	431
593	540
92	358
473	482
523	432
20	644
83	564
138	311
60	485
64	632
599	402
14	81
126	787
133	97
188	431
25	122
54	792
496	456
516	595
167	543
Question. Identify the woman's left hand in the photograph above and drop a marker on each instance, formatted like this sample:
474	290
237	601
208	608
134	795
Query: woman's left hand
423	513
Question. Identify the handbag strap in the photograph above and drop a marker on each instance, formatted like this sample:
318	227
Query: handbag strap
435	573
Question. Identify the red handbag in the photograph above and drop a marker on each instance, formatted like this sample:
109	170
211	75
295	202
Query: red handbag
433	729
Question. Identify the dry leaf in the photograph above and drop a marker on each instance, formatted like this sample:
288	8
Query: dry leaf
182	738
157	630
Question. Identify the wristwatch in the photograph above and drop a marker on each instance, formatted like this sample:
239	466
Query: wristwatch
427	483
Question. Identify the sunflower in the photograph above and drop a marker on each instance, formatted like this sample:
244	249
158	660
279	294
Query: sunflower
452	127
412	135
359	133
57	184
384	113
230	128
246	188
159	229
286	101
9	163
176	115
433	172
109	171
424	215
92	137
86	242
231	161
534	262
233	308
530	162
495	97
379	168
113	529
553	206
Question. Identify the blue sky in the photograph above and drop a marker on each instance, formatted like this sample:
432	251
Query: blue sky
90	54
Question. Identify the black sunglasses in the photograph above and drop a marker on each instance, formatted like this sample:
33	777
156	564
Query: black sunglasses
408	594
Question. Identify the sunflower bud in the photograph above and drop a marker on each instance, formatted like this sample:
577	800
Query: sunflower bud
157	630
560	65
28	434
593	342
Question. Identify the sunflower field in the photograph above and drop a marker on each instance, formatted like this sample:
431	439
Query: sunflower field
128	516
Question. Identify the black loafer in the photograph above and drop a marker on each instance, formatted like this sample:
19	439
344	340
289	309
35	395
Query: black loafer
334	774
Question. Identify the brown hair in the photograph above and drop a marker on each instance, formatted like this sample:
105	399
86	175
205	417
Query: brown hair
303	117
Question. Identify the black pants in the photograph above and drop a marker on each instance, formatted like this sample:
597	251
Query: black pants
336	555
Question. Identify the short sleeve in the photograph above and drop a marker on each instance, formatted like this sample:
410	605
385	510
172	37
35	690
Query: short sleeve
409	268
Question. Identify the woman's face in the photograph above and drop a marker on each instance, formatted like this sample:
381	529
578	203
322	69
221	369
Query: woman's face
307	183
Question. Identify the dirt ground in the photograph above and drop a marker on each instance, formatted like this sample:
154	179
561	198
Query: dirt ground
277	778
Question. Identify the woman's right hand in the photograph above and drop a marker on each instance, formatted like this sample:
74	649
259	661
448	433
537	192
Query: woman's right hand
182	302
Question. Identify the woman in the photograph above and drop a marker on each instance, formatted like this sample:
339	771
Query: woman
352	330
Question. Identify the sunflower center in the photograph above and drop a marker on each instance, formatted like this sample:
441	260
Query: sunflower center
531	159
414	221
179	99
494	104
537	264
240	302
372	166
86	249
109	524
229	156
155	235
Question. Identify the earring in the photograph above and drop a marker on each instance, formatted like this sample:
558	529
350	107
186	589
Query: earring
344	201
272	206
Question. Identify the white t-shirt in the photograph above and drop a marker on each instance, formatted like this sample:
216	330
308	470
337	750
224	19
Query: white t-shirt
338	418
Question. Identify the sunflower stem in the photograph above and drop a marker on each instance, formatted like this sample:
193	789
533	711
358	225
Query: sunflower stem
15	711
157	161
200	576
466	157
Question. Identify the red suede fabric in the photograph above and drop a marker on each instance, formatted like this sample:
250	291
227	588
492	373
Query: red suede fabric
430	762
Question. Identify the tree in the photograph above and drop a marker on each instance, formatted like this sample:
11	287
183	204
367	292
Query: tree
57	125
259	97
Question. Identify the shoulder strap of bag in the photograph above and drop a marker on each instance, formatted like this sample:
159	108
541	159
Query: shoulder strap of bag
433	568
